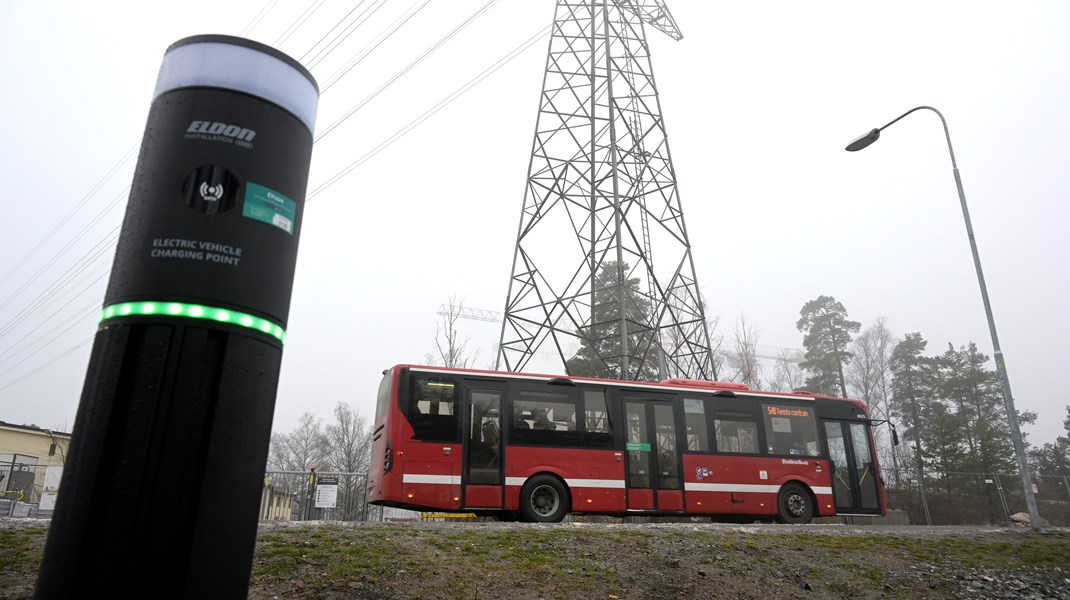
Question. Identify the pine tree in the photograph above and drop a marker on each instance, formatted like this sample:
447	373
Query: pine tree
911	376
600	353
827	334
1054	458
911	391
942	439
974	391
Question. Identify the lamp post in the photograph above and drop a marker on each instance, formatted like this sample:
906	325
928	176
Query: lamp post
1001	368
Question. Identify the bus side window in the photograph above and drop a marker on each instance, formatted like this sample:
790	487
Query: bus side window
544	418
599	430
736	432
695	424
432	409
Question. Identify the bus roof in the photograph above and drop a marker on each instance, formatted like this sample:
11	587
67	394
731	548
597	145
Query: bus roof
676	384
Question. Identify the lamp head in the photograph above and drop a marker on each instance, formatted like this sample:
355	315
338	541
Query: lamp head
864	141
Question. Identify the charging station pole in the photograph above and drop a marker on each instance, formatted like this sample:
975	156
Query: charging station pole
160	492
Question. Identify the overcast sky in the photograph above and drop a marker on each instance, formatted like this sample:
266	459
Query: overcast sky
759	99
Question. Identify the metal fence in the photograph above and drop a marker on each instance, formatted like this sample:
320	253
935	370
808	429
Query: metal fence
28	489
934	499
345	503
308	496
974	498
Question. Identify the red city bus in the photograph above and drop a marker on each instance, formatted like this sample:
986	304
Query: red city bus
537	447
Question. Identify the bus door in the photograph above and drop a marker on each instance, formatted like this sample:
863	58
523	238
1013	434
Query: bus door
652	453
482	426
854	479
431	460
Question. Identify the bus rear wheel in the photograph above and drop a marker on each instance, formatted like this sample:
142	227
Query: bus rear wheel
794	505
544	499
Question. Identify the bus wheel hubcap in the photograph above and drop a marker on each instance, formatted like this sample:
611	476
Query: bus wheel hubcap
795	504
544	500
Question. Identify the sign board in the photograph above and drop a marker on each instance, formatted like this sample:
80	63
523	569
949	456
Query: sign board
50	487
326	492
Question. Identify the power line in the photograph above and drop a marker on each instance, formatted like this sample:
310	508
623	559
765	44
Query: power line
63	281
79	314
51	296
285	35
49	363
259	17
65	249
63	221
431	112
54	338
368	49
344	34
430	50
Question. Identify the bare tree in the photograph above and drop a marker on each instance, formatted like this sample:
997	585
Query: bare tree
868	375
870	379
450	351
788	376
349	441
743	357
717	353
304	447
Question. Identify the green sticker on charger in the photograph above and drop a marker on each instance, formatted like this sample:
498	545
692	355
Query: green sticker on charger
268	206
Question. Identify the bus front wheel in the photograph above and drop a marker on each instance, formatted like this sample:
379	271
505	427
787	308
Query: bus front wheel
544	499
794	505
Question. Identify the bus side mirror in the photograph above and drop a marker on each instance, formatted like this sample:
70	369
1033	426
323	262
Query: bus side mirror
895	437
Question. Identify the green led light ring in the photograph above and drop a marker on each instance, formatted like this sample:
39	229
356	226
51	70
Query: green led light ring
194	311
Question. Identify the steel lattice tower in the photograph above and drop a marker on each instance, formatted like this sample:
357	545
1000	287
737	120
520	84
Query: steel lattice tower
601	203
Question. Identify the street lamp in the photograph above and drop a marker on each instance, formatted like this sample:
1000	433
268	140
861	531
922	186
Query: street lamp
1001	368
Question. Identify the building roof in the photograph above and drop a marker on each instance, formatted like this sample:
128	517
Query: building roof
34	429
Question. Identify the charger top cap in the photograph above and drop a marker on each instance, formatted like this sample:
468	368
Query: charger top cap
242	65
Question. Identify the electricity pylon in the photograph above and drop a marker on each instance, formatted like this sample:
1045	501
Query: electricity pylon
601	203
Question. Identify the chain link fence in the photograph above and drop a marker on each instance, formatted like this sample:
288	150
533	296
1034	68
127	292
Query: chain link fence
28	489
955	498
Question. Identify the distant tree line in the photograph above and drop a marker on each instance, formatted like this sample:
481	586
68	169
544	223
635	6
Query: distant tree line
948	407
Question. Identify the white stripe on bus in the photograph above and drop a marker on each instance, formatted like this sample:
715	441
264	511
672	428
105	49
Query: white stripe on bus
617	484
436	479
742	487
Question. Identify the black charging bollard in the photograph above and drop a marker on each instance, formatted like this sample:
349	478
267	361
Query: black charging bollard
162	484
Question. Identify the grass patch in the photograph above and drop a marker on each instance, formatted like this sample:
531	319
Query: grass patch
18	546
521	562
